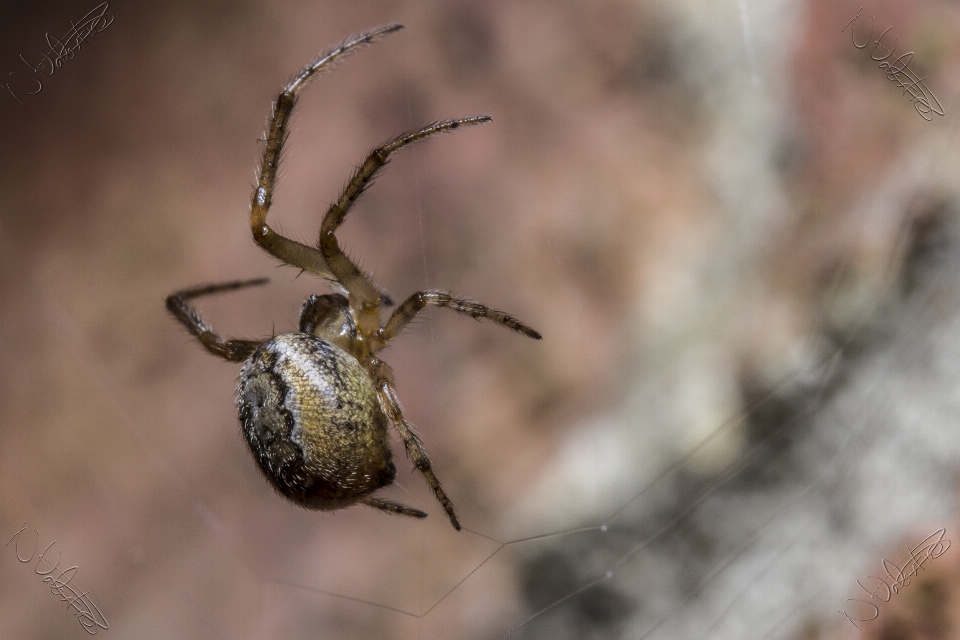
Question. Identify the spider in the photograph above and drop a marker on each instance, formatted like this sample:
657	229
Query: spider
314	404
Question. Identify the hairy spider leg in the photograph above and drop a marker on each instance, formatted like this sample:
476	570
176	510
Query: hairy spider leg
363	295
403	314
386	392
231	350
392	507
290	251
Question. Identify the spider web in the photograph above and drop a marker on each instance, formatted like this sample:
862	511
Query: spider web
640	517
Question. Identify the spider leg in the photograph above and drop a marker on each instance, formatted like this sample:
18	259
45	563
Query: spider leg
391	407
377	159
290	251
392	507
232	350
415	303
363	296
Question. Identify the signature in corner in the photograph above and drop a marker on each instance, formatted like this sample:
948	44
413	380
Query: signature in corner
87	613
898	71
61	49
897	577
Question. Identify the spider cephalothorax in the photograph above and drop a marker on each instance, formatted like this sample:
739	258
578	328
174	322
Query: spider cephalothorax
315	404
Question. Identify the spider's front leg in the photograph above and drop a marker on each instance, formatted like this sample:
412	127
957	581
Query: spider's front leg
363	296
386	392
290	251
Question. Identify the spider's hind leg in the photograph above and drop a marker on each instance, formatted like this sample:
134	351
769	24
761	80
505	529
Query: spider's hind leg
387	395
392	507
232	350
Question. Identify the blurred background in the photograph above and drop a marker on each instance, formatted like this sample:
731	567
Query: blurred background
740	241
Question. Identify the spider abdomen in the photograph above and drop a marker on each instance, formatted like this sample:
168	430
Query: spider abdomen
310	413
